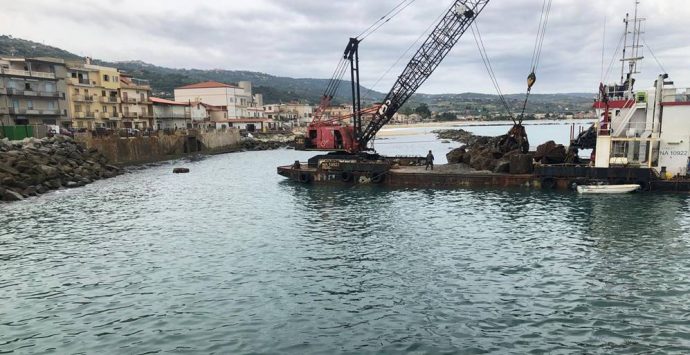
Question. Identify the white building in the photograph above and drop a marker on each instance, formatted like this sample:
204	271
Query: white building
170	114
291	114
237	100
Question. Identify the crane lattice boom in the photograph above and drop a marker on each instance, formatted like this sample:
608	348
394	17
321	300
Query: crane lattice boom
439	43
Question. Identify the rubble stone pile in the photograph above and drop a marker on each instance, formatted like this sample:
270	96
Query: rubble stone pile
35	166
484	153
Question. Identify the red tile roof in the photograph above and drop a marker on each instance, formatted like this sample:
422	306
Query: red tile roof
207	85
157	100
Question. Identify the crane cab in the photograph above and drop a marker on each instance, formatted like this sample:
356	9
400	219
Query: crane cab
329	137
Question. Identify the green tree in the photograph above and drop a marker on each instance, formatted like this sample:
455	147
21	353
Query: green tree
406	110
423	110
447	116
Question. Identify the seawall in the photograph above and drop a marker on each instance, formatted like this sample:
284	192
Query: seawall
146	149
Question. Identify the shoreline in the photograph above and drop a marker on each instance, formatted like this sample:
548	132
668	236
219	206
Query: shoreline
391	130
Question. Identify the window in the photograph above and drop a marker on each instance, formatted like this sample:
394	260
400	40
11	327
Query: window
11	84
105	108
106	77
76	91
103	93
74	74
51	105
50	87
30	104
115	79
27	86
77	108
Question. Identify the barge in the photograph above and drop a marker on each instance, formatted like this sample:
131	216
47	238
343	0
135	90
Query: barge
642	137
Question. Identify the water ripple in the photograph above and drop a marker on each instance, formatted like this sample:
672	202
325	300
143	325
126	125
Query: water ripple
235	260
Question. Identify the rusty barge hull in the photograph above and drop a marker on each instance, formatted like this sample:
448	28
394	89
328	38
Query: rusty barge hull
414	177
447	176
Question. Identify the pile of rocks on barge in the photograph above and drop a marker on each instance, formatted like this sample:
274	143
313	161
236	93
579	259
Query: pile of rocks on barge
262	141
502	154
35	166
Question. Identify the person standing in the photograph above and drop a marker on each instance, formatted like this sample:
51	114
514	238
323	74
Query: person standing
429	161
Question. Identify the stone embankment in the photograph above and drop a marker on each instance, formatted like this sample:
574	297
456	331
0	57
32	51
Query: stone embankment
501	154
35	166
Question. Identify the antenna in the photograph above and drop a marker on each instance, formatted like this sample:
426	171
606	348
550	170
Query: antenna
634	47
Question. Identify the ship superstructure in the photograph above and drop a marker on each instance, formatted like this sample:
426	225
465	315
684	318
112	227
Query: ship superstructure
647	128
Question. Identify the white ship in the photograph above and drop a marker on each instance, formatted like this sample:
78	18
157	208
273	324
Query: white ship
647	128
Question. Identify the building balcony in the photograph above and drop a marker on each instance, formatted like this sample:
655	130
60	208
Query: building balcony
30	111
82	98
31	93
80	81
109	116
85	115
129	100
130	115
27	73
173	117
109	99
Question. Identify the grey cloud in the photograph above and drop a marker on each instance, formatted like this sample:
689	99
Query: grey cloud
304	38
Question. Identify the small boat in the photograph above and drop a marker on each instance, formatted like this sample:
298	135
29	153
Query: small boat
607	189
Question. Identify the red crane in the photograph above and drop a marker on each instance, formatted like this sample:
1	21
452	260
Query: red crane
335	135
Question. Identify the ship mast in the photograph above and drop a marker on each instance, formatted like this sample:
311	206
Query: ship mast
634	49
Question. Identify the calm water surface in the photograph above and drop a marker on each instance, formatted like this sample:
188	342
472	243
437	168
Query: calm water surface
233	259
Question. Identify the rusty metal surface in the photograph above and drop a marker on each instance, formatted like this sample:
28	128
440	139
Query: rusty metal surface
454	176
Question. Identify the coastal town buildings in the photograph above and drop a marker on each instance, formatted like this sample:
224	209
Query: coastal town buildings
136	104
237	100
32	91
93	96
293	114
170	114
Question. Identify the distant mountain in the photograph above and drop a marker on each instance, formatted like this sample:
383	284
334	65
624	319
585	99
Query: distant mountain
283	89
165	80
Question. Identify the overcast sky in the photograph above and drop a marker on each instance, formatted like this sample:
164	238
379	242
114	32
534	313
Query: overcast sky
305	38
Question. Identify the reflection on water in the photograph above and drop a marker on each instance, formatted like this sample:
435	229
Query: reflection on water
234	259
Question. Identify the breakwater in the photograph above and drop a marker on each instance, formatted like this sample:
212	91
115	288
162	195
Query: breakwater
35	166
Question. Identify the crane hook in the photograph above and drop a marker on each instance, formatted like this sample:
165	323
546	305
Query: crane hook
531	79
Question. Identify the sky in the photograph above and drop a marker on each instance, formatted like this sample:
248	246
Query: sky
305	38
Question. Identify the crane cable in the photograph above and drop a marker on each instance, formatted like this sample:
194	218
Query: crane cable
489	68
653	55
536	53
385	19
340	70
404	54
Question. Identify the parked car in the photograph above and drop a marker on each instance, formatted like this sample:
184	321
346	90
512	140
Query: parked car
66	132
102	131
129	132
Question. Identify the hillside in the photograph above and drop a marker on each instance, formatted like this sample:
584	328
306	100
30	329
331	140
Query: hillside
284	89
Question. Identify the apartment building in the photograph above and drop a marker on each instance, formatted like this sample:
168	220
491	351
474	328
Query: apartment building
170	114
238	100
93	96
293	114
136	105
32	91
